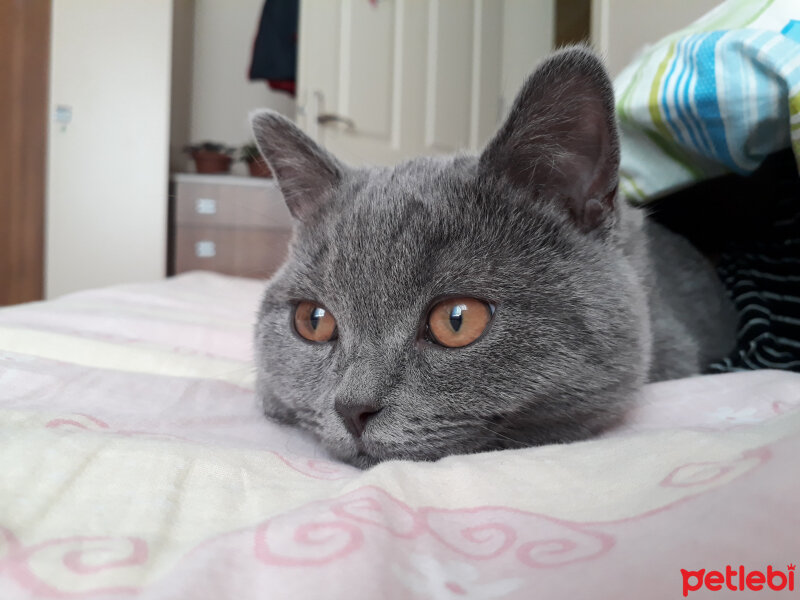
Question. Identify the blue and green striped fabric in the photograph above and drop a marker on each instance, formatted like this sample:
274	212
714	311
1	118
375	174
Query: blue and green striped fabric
716	97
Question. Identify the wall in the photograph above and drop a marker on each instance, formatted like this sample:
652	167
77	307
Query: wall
620	28
528	35
107	169
222	96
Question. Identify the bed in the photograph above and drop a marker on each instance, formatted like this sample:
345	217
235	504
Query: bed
135	462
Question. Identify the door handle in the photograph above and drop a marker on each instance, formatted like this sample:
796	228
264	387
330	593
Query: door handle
329	118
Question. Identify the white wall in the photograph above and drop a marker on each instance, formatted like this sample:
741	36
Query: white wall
621	28
528	36
222	96
107	169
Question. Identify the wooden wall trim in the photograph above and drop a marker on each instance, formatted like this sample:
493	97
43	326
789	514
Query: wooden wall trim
24	75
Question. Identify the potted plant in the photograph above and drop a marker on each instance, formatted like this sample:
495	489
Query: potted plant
255	162
211	157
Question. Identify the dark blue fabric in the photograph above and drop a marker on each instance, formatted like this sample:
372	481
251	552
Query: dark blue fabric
763	280
750	226
275	47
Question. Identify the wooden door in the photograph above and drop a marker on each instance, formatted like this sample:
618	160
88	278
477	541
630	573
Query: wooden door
24	58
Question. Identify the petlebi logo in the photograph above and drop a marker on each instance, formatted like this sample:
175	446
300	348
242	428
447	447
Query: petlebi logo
739	579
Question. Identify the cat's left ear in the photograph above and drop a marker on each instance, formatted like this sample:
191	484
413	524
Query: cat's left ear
305	171
560	139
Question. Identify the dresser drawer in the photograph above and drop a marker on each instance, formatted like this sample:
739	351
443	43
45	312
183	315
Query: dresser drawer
257	206
240	251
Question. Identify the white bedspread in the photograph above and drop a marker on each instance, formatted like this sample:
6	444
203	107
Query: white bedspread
134	461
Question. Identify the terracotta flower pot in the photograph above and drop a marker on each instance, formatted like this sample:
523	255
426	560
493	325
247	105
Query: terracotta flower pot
211	162
259	168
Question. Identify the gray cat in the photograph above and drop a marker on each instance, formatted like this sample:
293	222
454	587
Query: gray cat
461	304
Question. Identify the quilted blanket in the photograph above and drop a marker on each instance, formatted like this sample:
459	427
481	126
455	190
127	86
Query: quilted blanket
135	462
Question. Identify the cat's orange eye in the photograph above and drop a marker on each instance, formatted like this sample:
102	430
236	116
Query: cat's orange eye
457	322
314	323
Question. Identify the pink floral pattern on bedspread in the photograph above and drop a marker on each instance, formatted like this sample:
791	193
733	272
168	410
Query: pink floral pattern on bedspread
134	462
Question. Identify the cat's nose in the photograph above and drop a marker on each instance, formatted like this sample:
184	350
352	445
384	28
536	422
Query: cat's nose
355	415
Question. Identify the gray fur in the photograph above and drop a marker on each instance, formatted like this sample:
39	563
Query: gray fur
591	300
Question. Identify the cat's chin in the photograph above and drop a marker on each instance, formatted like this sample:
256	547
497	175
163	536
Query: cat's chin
365	456
364	461
357	454
369	453
354	456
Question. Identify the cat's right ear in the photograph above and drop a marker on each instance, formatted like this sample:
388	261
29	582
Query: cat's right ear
306	173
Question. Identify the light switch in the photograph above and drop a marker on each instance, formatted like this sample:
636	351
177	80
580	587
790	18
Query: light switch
205	249
63	114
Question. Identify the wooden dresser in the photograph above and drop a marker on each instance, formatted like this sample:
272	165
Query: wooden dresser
233	225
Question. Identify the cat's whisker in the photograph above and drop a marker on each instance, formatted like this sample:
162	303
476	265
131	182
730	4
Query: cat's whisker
501	435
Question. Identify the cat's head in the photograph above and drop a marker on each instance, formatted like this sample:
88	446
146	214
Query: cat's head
459	304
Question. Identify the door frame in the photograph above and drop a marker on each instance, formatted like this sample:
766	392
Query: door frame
24	83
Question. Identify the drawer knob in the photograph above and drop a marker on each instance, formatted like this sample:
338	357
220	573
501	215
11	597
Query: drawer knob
205	206
205	249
